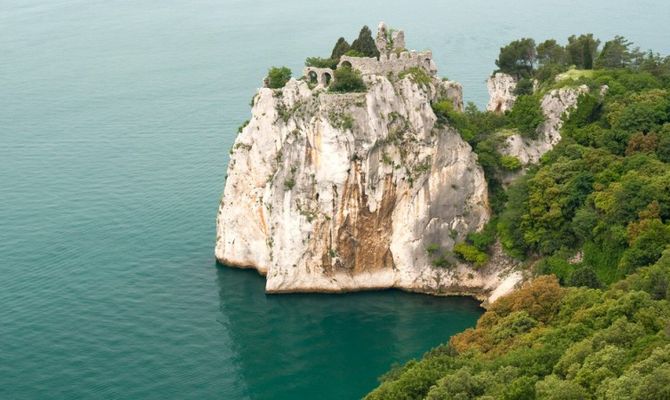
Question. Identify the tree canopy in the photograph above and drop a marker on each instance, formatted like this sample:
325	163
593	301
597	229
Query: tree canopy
277	77
365	44
518	58
341	47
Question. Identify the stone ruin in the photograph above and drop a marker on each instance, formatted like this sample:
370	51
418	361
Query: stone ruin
391	63
389	40
394	58
319	76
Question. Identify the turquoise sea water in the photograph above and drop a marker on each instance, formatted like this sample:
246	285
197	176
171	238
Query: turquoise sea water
115	122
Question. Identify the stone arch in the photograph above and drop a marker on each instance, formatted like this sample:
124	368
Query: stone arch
313	77
346	64
318	76
326	78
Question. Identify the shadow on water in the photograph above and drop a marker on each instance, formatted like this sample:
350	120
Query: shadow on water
294	346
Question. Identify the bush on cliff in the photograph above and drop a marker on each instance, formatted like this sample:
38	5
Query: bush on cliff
526	115
277	77
318	62
347	80
471	254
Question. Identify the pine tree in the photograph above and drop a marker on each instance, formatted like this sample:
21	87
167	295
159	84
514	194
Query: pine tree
588	55
341	47
365	44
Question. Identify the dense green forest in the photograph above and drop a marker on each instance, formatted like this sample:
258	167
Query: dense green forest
591	222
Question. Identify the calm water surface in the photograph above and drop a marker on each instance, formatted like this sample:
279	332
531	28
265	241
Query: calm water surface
115	122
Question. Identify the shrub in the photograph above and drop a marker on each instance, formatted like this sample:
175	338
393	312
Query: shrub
485	238
432	248
526	115
524	87
341	121
442	262
417	75
347	80
584	276
318	62
277	77
241	127
289	183
510	163
471	254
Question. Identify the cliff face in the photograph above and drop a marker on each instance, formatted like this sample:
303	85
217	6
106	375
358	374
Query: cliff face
554	105
501	92
340	192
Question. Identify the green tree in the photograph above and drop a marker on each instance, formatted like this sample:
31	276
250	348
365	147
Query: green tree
663	147
509	225
523	87
470	254
341	47
582	50
318	62
347	80
550	52
654	64
584	276
640	112
365	44
526	115
517	58
510	163
277	77
553	388
646	248
616	53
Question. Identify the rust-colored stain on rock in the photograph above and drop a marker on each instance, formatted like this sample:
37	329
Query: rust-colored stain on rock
362	237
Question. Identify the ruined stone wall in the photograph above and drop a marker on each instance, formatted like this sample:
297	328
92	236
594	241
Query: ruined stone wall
319	76
392	63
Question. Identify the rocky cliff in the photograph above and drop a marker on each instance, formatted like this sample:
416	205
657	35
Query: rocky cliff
501	88
340	192
555	106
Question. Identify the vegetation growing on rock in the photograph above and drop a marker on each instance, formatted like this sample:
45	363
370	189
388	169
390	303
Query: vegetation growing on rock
591	221
347	80
277	77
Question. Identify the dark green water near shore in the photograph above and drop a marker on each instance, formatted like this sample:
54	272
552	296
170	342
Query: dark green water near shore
115	124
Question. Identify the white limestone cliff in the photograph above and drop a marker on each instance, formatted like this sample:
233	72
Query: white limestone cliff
341	192
501	88
555	106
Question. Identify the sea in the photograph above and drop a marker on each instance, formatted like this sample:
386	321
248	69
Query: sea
116	118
